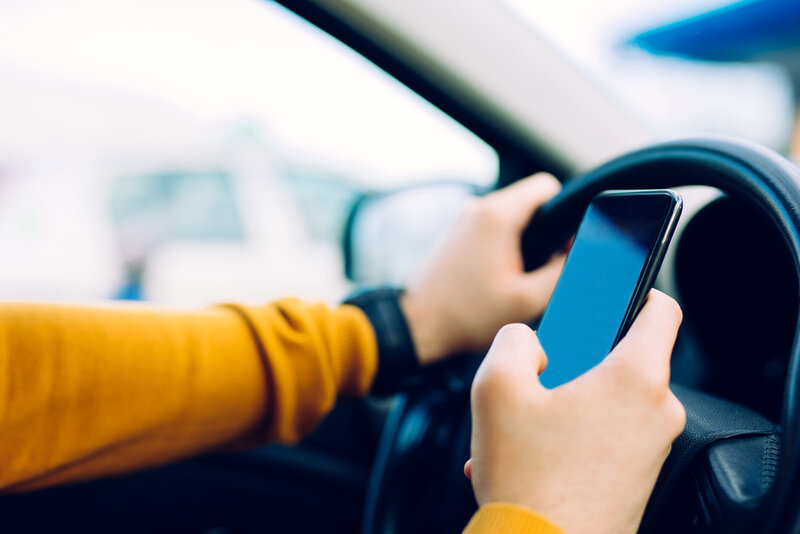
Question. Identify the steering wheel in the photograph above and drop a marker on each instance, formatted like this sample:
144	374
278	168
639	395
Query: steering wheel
731	469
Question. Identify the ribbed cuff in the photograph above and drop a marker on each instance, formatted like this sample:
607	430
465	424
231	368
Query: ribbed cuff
504	518
359	351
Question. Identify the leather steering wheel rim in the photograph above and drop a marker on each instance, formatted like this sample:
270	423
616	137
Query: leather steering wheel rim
762	178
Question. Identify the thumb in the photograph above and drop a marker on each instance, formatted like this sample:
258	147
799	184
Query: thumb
648	344
521	199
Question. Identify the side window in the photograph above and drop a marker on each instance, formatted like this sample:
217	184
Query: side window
192	152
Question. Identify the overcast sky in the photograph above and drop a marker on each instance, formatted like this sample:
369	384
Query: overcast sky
145	68
128	72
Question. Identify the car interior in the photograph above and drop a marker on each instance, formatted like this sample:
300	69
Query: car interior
395	465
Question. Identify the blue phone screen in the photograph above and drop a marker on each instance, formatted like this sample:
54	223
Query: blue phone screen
597	285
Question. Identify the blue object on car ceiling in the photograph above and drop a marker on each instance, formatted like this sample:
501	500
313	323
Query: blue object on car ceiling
752	29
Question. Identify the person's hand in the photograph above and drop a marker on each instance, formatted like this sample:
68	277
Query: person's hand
475	281
585	455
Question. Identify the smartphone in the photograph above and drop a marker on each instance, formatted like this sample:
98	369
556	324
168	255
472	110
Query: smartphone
610	268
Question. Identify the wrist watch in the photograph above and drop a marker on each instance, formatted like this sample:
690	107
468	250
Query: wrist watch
398	366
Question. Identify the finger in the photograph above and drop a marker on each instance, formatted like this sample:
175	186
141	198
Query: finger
468	469
520	200
658	321
537	286
650	339
515	355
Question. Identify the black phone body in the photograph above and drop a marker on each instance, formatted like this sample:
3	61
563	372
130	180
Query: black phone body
611	266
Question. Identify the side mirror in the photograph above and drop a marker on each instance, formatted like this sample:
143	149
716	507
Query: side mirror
388	234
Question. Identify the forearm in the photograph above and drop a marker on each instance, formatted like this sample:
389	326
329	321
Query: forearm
86	392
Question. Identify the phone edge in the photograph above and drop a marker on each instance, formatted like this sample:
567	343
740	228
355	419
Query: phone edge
653	265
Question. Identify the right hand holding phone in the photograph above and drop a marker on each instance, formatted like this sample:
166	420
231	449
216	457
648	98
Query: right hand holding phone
586	454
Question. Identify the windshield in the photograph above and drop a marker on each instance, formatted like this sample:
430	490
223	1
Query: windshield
194	152
741	86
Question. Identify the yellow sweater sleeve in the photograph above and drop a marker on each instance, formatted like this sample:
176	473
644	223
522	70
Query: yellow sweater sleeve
92	391
501	518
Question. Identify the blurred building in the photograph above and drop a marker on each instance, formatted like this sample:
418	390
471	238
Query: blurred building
752	31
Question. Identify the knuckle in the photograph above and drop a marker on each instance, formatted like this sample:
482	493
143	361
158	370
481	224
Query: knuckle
646	382
491	383
624	378
487	212
478	391
676	414
521	300
653	387
656	378
501	379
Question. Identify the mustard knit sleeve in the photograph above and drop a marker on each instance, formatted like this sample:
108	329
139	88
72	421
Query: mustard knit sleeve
501	518
92	391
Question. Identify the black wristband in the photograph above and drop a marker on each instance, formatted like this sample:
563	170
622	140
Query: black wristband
398	366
